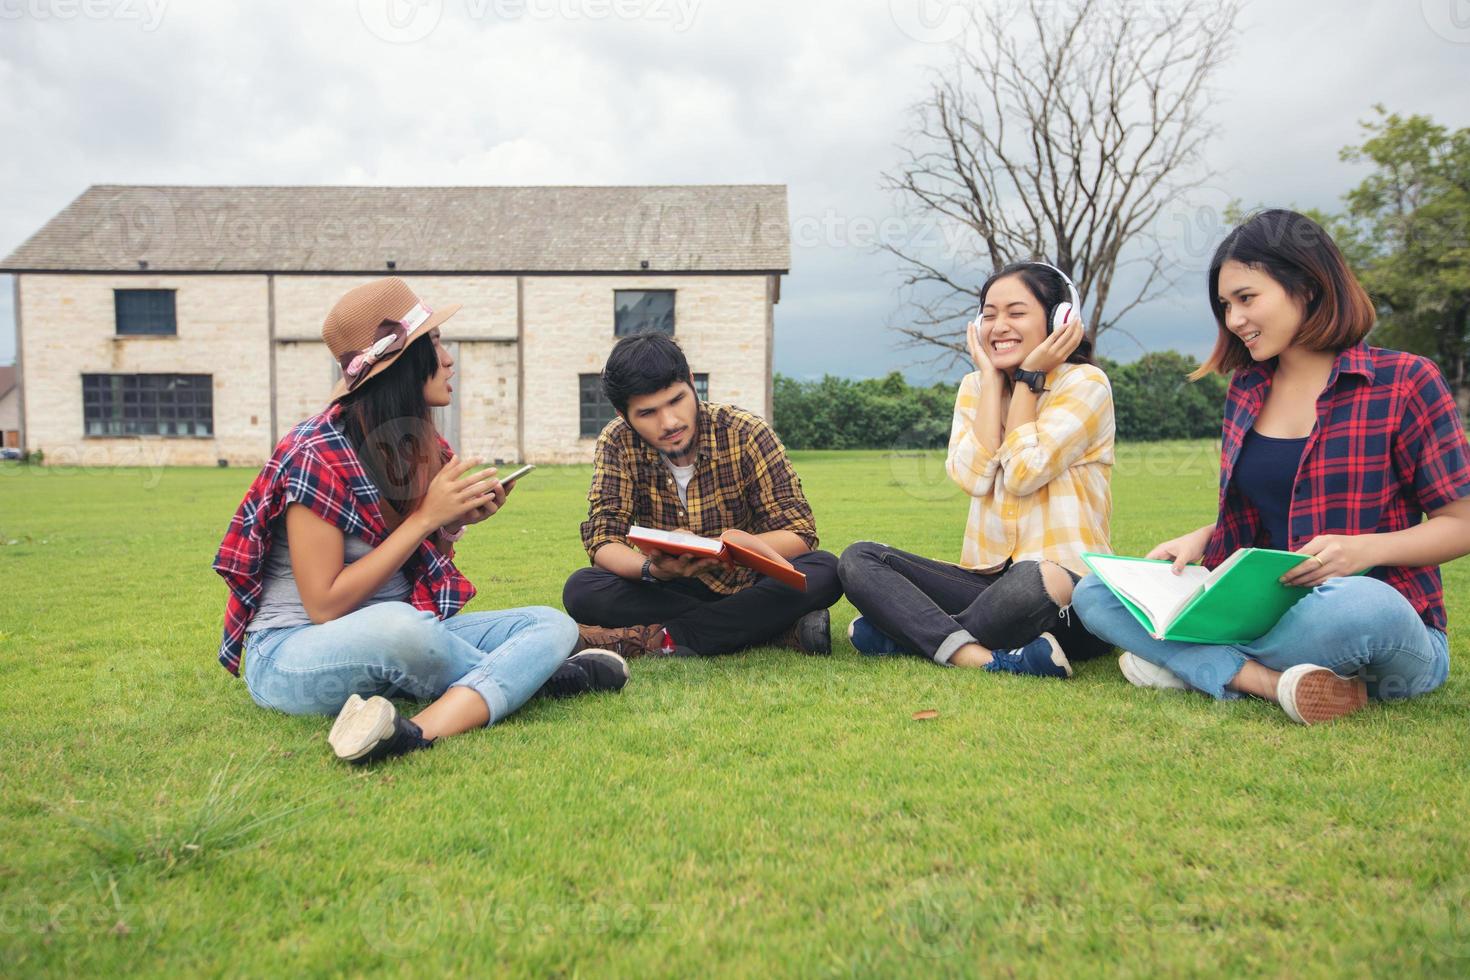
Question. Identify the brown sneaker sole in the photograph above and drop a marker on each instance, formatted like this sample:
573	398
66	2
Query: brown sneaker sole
626	641
1322	696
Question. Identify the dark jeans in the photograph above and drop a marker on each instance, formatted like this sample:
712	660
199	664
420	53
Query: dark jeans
696	616
933	607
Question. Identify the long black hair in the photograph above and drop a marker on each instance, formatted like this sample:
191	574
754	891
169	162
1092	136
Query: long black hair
1049	289
390	425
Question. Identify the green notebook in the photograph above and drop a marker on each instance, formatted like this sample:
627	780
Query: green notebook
1238	602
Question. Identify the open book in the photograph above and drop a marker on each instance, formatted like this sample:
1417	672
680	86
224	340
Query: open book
1239	601
733	547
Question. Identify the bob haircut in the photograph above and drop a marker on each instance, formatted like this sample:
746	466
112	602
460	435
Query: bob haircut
1298	253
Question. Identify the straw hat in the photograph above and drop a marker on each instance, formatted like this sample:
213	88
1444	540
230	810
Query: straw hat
370	326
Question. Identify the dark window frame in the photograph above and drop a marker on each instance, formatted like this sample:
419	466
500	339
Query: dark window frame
643	325
594	415
145	312
172	406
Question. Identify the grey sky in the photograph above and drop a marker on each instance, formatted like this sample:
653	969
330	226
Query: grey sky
814	95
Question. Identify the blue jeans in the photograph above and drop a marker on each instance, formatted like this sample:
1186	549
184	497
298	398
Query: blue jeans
1355	626
396	650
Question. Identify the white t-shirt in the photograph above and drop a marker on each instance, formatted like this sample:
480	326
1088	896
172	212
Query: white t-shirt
682	476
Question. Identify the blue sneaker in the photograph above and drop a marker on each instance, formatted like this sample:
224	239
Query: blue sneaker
869	639
1042	657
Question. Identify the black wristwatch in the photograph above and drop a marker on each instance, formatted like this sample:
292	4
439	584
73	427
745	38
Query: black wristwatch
647	576
1035	380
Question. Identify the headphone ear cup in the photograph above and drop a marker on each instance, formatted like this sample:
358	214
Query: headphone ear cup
1061	315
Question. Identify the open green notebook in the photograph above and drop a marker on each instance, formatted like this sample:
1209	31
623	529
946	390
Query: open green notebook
1239	601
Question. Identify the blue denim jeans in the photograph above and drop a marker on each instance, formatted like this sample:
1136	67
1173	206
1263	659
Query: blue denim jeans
396	650
1355	626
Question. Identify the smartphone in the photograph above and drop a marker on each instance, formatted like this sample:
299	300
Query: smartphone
507	481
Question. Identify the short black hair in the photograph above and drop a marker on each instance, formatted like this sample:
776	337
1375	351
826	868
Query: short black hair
640	365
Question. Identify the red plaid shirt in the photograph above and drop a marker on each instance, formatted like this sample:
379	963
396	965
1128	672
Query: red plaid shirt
316	466
1388	446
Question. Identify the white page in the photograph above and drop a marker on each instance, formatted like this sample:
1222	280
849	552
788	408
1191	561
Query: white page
1153	586
678	540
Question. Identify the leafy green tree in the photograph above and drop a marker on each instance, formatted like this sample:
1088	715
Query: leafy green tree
1151	396
1407	232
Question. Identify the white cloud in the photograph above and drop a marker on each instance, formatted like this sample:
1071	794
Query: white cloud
814	95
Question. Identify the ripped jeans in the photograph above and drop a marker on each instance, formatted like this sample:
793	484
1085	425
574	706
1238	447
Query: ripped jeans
933	608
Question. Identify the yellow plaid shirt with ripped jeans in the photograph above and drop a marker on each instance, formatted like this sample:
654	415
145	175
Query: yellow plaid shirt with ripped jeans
1045	493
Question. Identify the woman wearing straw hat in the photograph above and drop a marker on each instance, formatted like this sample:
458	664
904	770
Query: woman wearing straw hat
339	559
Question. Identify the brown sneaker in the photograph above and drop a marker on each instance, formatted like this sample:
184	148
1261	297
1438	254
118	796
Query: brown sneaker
628	641
1311	695
811	633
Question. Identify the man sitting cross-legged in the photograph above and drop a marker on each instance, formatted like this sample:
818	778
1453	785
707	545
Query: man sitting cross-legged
672	463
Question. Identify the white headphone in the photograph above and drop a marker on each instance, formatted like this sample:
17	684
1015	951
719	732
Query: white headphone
1062	313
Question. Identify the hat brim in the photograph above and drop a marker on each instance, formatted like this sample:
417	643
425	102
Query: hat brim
434	320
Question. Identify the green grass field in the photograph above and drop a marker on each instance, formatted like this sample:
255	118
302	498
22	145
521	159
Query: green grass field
763	813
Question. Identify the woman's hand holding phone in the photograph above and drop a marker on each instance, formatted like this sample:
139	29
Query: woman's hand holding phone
455	493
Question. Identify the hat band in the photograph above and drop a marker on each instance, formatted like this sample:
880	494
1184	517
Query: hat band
392	335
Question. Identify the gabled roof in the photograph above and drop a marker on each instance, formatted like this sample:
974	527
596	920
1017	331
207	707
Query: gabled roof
696	228
8	377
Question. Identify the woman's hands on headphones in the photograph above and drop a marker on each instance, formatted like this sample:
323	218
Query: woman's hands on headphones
1053	352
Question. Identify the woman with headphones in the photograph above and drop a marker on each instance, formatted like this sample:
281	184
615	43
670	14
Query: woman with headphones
1032	444
1330	448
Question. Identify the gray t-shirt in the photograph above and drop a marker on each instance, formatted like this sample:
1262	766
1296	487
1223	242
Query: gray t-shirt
280	600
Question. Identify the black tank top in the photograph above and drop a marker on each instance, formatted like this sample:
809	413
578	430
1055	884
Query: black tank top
1265	473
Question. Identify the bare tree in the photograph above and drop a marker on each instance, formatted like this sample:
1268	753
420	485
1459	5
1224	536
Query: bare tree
1062	130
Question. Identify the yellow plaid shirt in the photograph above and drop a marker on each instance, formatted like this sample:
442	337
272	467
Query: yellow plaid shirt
742	479
1046	492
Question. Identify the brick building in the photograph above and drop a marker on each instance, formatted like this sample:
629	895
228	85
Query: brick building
9	407
181	325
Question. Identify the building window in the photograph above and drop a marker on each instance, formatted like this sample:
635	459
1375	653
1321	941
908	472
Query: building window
643	311
144	311
148	404
597	411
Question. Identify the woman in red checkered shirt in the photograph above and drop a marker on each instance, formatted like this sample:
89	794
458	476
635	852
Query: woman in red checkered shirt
1330	448
343	591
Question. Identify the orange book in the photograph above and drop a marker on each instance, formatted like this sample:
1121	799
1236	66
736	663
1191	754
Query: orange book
734	547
